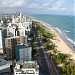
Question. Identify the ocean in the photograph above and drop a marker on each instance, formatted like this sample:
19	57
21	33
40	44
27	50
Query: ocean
65	25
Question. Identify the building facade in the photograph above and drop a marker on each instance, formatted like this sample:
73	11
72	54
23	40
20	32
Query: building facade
23	52
3	34
12	30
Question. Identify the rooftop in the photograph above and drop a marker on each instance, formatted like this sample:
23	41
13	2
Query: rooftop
28	64
3	62
12	37
16	37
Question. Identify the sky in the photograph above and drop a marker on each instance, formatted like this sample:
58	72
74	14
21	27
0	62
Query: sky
59	7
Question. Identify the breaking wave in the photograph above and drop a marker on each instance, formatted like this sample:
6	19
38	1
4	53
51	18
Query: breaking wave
66	31
64	35
58	30
72	41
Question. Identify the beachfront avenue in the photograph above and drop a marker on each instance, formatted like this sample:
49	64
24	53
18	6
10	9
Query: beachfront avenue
45	63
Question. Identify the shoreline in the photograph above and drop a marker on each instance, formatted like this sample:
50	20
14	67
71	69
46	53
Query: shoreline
60	42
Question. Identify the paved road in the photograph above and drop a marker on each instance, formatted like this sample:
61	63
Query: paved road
44	65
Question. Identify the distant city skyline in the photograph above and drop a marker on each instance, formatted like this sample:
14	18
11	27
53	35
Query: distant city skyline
58	7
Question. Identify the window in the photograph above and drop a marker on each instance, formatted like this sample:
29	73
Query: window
9	40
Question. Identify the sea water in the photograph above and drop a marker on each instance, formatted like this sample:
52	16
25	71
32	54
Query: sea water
65	25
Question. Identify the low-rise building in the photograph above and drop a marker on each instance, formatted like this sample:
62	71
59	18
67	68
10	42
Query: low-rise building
4	66
26	68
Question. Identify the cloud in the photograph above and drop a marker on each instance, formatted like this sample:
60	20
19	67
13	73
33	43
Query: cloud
12	3
59	3
38	6
62	5
17	4
56	5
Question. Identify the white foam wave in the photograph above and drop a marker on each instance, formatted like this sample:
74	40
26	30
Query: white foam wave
72	41
66	31
58	30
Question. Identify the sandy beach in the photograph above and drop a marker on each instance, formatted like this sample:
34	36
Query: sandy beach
62	47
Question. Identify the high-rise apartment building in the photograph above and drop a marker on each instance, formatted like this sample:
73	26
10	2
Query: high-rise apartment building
24	24
12	30
23	52
2	38
11	43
